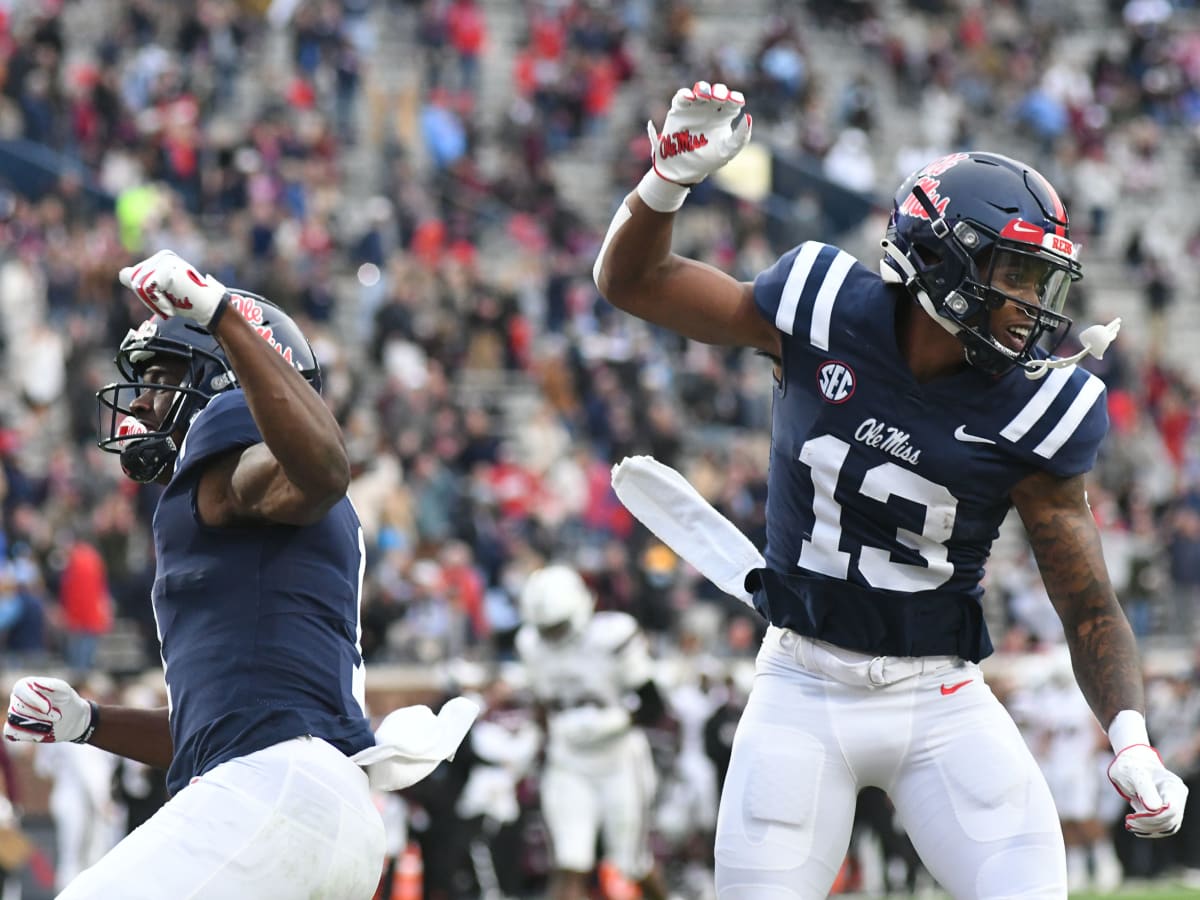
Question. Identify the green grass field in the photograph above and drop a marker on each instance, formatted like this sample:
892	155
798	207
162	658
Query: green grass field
1164	890
1165	893
1167	889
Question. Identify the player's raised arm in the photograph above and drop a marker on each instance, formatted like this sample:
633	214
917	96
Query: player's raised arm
1066	543
48	710
636	270
300	469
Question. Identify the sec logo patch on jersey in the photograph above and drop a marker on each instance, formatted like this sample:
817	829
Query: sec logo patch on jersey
836	381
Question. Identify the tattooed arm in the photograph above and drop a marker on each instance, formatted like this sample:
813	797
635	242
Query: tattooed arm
1104	654
1066	544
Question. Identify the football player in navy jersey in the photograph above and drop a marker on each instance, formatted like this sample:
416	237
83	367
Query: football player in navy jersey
259	568
915	406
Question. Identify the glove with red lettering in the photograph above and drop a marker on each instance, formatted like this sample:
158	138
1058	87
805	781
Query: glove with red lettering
169	286
698	137
45	710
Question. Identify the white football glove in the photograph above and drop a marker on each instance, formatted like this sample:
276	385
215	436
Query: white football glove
169	286
1157	795
46	710
697	139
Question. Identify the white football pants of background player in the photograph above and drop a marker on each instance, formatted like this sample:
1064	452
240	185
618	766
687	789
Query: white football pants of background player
822	723
292	822
605	791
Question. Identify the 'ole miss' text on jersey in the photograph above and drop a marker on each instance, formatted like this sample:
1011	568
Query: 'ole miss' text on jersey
259	624
884	494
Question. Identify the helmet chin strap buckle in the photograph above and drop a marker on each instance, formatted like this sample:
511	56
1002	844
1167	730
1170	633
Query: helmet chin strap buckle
1095	340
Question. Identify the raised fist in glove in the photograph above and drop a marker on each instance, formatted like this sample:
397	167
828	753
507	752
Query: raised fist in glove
170	286
697	137
46	710
1156	794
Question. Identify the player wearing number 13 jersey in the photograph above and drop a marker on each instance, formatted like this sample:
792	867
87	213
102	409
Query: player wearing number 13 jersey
886	493
914	407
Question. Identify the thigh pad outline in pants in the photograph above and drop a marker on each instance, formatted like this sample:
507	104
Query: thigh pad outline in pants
785	818
977	808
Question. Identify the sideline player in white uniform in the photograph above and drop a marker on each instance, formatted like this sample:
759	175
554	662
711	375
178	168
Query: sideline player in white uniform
599	778
1072	739
914	407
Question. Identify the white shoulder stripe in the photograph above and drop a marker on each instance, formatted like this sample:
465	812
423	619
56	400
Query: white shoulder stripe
1037	405
802	265
823	306
1066	426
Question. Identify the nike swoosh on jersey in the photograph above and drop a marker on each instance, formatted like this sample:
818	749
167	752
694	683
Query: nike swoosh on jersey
947	690
961	433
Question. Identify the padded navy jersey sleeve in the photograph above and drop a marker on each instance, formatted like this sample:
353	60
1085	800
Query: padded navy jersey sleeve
1078	453
1059	427
769	285
225	424
798	292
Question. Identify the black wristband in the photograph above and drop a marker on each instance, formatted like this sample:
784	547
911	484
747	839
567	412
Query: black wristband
222	305
92	723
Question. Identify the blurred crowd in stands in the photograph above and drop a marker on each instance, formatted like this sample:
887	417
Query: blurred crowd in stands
390	171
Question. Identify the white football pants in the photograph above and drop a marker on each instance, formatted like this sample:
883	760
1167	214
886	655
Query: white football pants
823	722
614	802
292	822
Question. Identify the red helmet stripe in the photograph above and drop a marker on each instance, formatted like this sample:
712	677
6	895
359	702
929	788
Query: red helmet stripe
1060	211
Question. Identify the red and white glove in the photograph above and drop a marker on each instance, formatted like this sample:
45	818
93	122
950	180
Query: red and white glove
1158	796
48	710
698	137
169	286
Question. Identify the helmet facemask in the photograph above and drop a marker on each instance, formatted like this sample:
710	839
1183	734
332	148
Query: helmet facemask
1042	324
146	454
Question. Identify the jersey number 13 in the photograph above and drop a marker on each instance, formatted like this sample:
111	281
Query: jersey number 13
825	457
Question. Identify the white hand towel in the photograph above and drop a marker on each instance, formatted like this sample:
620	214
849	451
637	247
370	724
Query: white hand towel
666	503
411	741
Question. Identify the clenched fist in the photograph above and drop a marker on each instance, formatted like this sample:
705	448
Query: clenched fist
170	286
48	710
1158	796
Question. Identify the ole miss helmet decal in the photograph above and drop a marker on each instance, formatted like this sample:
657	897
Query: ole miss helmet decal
930	182
836	381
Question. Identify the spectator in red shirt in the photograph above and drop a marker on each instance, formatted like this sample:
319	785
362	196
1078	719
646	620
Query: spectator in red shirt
465	587
86	604
468	33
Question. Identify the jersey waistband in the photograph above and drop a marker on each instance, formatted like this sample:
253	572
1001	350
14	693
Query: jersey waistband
880	623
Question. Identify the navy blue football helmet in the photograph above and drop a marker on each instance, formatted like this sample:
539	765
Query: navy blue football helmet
963	217
146	454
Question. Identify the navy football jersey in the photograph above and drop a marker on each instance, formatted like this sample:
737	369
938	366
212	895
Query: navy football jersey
259	624
885	494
